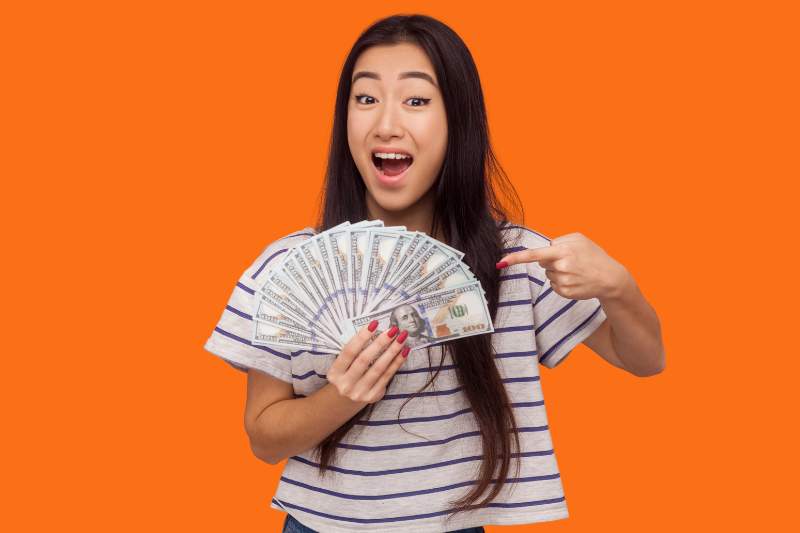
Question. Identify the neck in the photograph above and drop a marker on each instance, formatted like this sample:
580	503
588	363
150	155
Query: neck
416	217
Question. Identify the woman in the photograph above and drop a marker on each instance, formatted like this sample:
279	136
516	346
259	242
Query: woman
378	442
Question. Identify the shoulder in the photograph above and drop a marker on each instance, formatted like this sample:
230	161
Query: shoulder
275	249
517	237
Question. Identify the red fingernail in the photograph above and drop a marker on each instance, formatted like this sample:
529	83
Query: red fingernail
392	331
372	325
405	351
502	264
402	337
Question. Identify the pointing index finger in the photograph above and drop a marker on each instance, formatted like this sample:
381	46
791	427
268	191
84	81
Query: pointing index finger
543	253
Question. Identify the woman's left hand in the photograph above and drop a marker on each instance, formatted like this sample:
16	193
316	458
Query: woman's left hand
577	268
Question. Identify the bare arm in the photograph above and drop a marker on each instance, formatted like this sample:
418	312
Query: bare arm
280	425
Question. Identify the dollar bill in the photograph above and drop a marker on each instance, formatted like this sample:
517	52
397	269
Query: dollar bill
269	334
300	272
428	259
338	241
267	313
284	295
383	248
319	270
432	318
390	284
447	275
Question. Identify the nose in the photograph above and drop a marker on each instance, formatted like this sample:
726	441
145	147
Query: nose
389	123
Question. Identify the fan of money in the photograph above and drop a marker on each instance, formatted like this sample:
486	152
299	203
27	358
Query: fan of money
321	292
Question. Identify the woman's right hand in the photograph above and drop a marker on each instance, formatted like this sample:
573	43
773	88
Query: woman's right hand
362	369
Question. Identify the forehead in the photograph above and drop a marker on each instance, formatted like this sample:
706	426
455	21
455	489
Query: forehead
389	60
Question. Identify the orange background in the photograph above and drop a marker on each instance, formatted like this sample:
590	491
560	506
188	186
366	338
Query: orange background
151	150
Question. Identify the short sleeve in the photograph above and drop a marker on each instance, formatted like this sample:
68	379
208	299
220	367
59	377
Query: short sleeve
560	324
231	339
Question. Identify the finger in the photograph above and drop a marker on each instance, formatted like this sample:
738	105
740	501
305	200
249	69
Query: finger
545	253
383	362
390	371
380	365
354	347
361	363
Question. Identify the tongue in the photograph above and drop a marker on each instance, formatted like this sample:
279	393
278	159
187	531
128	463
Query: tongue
393	167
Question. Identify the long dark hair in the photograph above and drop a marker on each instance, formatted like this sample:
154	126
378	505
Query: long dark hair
473	199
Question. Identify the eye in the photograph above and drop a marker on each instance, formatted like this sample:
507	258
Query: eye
360	96
417	98
421	99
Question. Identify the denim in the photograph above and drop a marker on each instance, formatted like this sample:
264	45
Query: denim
291	525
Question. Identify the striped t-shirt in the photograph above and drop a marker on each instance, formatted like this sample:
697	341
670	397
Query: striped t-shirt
397	476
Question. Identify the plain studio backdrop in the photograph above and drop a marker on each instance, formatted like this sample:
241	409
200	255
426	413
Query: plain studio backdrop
151	150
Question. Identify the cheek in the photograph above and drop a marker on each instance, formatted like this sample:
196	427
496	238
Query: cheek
431	135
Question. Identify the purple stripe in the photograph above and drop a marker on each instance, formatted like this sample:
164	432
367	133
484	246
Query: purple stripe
245	288
447	416
240	313
267	261
513	276
514	302
418	370
513	249
451	391
284	503
412	468
308	375
536	280
364	448
411	493
550	351
513	328
555	316
247	342
543	295
515	354
298	352
522	275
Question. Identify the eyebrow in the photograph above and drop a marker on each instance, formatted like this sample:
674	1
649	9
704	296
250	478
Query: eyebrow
401	76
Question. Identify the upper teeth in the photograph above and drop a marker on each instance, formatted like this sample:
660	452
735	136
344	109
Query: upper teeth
389	155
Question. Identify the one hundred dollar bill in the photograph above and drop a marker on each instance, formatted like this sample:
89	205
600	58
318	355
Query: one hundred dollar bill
432	318
428	259
270	334
267	313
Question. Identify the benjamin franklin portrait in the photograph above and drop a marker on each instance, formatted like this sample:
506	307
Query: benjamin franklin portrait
405	317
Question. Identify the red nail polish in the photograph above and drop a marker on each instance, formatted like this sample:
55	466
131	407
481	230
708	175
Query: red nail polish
372	325
502	264
405	351
392	331
402	337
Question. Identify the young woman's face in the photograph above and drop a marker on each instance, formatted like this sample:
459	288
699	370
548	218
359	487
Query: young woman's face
394	107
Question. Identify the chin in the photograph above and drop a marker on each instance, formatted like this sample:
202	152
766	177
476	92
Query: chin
393	202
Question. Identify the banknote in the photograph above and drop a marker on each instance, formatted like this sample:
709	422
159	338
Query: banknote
340	252
267	313
269	334
431	257
300	272
320	291
383	249
434	317
284	295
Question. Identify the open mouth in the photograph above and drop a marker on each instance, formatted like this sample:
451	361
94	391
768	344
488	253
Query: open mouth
392	167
